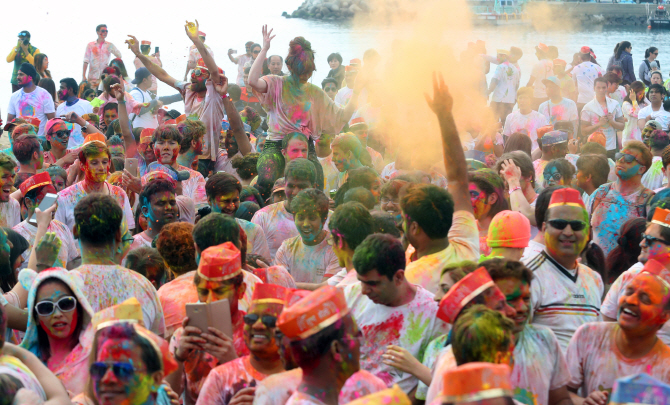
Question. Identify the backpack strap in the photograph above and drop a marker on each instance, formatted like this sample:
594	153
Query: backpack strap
642	201
600	194
646	62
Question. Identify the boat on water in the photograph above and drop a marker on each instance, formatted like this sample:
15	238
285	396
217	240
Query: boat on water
499	12
658	18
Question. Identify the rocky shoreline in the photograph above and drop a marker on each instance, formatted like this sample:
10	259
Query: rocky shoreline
329	9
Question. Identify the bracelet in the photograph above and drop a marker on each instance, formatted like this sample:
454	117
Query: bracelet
514	189
121	102
226	96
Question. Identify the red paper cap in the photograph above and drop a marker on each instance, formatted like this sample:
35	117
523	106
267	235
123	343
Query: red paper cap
585	50
36	181
310	315
474	382
220	263
146	135
658	267
462	293
566	196
269	294
661	217
146	42
543	130
359	121
95	138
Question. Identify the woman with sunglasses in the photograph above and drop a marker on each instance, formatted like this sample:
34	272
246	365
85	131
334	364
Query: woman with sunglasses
649	65
238	378
58	317
558	172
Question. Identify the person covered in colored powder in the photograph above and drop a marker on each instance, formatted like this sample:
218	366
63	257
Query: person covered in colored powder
158	205
487	199
97	56
294	105
30	100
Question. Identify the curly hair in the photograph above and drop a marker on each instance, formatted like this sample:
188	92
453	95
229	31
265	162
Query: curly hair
167	132
300	59
175	244
97	219
246	165
311	200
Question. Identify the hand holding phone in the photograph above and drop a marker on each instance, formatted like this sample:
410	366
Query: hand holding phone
47	202
131	165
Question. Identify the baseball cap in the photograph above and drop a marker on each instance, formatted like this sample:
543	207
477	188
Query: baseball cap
552	80
180	175
141	74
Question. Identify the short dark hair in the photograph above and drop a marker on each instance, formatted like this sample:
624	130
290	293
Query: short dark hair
383	223
278	56
110	106
564	167
352	222
658	140
222	183
234	91
595	165
380	252
599	80
306	351
24	147
97	219
429	206
175	245
215	229
542	204
593	148
71	84
300	168
479	334
97	29
310	200
190	130
361	195
167	132
140	258
503	268
291	135
153	187
658	88
520	142
521	160
335	55
327	80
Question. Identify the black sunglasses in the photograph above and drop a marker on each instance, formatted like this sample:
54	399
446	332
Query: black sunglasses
257	51
268	320
627	157
123	371
65	304
61	134
103	31
650	240
560	224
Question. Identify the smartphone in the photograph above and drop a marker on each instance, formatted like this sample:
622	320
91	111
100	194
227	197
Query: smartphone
47	202
215	314
234	50
156	50
131	166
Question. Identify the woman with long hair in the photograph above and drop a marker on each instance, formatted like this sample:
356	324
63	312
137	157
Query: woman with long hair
42	67
632	104
622	57
295	105
627	249
649	65
518	141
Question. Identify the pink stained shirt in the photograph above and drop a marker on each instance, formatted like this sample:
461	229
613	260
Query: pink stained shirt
224	381
209	110
97	56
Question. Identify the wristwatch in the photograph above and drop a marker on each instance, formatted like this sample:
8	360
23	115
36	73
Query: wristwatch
85	127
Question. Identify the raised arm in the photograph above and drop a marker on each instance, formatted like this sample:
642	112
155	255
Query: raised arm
232	58
243	143
256	70
206	56
454	158
154	69
128	138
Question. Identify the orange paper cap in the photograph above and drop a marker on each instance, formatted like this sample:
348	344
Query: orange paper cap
146	135
351	68
36	181
475	382
598	137
509	229
201	65
129	310
220	263
95	138
543	130
661	216
170	122
355	61
543	47
462	293
32	120
181	118
659	269
390	396
566	196
359	121
294	295
560	62
269	294
312	314
146	42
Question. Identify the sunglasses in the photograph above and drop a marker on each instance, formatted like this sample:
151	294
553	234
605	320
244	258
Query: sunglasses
197	72
650	240
560	224
627	157
257	52
123	371
61	134
554	176
103	31
268	320
65	304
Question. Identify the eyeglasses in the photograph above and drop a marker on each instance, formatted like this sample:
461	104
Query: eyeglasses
197	72
123	371
61	134
627	157
103	31
560	224
391	201
650	240
65	304
655	53
268	320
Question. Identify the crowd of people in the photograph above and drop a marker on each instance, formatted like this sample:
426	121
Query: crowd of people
268	245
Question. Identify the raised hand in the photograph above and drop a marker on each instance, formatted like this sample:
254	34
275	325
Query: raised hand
117	92
442	102
193	36
267	37
219	345
47	250
222	87
134	45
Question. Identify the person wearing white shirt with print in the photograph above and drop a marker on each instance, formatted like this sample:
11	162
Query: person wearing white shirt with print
604	114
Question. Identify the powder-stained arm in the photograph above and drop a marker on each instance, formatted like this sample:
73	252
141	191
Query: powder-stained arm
154	69
236	126
255	80
204	54
454	158
128	139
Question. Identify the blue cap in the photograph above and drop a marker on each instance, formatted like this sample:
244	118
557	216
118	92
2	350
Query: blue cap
225	125
169	170
640	389
554	137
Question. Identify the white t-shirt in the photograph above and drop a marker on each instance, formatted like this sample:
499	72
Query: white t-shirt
562	301
69	197
38	103
662	116
68	249
330	173
654	176
584	74
541	70
592	112
508	77
81	107
256	242
308	264
343	95
595	361
566	110
10	213
411	326
529	123
533	249
610	306
146	120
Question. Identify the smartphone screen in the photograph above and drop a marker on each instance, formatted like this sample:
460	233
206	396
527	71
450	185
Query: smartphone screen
47	202
156	51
